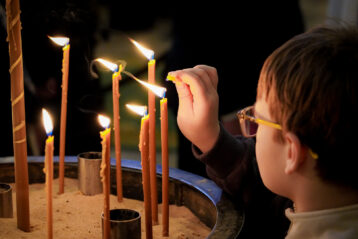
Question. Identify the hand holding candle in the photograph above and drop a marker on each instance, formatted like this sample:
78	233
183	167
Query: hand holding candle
198	114
64	42
116	77
48	169
143	147
105	171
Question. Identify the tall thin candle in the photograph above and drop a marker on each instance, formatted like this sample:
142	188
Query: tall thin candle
165	165
152	143
48	170
116	77
149	54
105	172
160	91
18	114
143	147
65	43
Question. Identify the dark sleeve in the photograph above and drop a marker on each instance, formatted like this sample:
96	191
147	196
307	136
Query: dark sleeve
232	165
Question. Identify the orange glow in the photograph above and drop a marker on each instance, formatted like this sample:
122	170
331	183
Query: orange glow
139	109
149	54
104	121
61	41
159	91
46	118
111	66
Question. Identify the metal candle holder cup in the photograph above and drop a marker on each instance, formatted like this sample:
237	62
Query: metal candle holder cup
5	201
124	223
89	179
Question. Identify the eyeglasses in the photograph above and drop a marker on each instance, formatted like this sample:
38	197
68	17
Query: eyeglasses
249	124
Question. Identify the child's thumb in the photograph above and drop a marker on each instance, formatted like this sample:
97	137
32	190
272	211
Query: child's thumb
185	97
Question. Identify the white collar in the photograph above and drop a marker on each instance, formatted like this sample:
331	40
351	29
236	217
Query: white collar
328	223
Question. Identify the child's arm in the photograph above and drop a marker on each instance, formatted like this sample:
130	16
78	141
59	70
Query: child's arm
198	105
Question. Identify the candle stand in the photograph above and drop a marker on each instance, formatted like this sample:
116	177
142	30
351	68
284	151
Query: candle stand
5	201
124	223
89	179
202	196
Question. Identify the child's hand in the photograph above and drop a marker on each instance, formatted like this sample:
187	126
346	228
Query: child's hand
198	105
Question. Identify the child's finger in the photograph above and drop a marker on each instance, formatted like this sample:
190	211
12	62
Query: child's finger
183	91
212	73
185	96
203	75
198	87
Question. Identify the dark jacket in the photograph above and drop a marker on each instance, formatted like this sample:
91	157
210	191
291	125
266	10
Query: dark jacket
232	165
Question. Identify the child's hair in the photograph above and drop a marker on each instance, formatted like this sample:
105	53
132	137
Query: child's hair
311	86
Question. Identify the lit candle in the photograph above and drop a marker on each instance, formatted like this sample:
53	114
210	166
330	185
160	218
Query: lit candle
105	171
18	114
160	92
149	54
48	170
143	147
65	43
116	77
165	165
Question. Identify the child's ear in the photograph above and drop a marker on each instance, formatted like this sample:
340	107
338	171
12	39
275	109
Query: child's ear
295	155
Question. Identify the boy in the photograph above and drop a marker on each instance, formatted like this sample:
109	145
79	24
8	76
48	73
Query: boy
305	127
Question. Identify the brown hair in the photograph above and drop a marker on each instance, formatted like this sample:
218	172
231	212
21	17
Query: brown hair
311	85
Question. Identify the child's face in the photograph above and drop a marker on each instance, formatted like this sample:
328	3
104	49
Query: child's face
270	153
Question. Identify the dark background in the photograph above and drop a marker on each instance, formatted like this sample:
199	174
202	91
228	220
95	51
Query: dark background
234	38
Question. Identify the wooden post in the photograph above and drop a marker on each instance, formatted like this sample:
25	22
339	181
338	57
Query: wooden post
18	114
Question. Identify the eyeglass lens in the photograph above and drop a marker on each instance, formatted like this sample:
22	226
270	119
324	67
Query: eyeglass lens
250	126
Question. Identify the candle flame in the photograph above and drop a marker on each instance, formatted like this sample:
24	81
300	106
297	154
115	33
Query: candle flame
149	54
111	66
104	121
62	41
46	118
159	91
139	109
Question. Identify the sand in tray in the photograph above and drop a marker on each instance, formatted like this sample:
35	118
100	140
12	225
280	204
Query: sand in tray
78	216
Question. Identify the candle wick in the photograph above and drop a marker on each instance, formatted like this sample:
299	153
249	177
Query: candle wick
130	75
